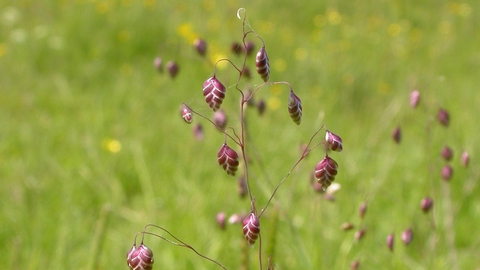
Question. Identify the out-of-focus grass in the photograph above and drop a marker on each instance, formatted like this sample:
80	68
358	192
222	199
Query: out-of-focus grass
92	147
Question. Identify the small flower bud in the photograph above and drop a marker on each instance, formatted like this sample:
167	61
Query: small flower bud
186	113
464	159
172	69
157	63
389	241
251	228
446	153
140	259
414	98
362	209
426	204
443	117
397	135
228	159
446	172
220	218
333	141
200	46
220	119
406	236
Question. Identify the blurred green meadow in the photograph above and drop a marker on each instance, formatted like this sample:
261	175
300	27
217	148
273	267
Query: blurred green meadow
92	147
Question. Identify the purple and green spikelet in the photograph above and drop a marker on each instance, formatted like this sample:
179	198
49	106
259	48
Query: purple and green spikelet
325	171
295	107
334	142
186	113
251	228
214	93
228	159
140	258
262	64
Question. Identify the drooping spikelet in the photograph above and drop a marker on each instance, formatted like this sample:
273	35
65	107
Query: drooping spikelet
214	93
295	107
186	113
140	258
251	228
228	159
334	142
262	65
325	171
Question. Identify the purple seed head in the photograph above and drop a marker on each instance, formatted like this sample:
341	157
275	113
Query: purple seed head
186	113
414	98
354	265
359	234
220	119
262	64
242	187
141	258
389	241
464	159
334	142
236	48
220	218
406	236
214	93
325	171
249	47
251	228
228	159
446	172
172	69
157	63
446	153
362	209
443	117
261	106
426	204
197	131
295	107
200	46
397	135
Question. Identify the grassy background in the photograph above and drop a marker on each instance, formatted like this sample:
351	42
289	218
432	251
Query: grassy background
92	147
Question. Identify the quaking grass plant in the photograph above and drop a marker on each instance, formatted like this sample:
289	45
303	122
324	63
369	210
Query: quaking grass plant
140	257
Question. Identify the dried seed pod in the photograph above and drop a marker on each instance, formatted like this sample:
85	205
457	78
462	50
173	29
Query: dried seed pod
200	46
251	228
228	159
140	258
426	204
334	142
214	93
389	241
295	107
186	113
262	65
325	171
